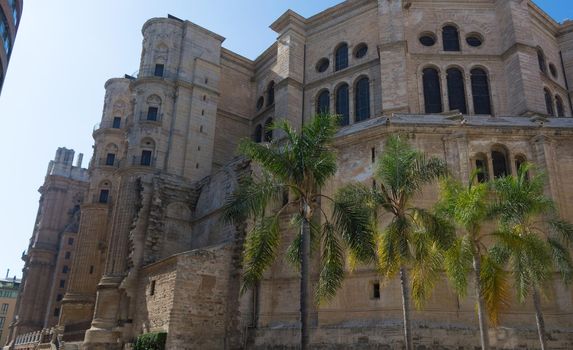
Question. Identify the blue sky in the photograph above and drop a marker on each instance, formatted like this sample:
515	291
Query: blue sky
64	53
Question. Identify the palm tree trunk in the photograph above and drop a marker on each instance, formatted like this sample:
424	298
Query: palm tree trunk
539	318
483	328
305	285
406	308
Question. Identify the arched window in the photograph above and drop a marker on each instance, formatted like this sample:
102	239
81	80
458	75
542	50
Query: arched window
259	133
519	161
481	167
549	102
480	91
456	90
541	60
268	130
323	103
451	38
342	105
362	99
103	195
559	104
271	93
500	165
432	91
153	107
147	150
341	57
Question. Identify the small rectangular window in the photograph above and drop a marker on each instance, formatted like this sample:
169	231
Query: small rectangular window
152	288
68	255
110	159
116	122
373	154
91	270
146	158
62	283
2	320
70	241
152	113
103	196
376	290
65	269
159	68
4	309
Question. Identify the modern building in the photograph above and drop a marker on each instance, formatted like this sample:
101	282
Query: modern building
481	84
8	294
10	14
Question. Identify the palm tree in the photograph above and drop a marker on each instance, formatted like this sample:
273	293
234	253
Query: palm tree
532	239
292	171
470	209
414	239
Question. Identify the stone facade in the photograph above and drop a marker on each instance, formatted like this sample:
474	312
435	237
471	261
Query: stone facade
152	253
10	14
8	295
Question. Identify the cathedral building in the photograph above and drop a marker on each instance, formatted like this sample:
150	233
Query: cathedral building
481	84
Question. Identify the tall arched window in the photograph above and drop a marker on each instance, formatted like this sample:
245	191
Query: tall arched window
456	90
147	150
541	60
323	102
481	167
362	99
500	165
271	93
259	133
559	105
432	91
269	130
342	105
549	102
520	160
480	91
451	38
341	57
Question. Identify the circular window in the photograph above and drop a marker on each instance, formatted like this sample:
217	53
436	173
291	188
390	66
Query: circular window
474	40
260	103
322	65
361	50
428	39
553	70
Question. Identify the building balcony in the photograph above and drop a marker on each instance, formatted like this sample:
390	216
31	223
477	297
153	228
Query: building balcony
147	117
108	125
138	161
107	162
101	198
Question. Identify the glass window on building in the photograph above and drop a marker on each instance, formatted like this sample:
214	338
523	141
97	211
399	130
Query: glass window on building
4	33
4	309
2	320
14	9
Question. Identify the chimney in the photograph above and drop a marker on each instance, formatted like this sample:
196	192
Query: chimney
80	160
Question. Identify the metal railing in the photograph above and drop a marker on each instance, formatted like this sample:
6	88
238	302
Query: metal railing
104	162
99	200
144	117
106	124
138	161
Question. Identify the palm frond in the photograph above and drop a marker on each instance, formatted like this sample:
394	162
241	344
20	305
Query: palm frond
562	230
353	215
332	264
495	288
562	260
293	254
251	198
427	263
260	250
393	249
458	264
438	229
